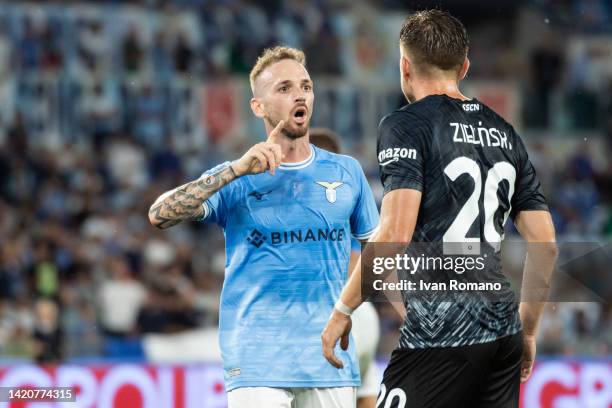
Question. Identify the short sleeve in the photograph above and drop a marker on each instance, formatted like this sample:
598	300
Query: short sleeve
401	152
364	219
355	245
528	193
215	208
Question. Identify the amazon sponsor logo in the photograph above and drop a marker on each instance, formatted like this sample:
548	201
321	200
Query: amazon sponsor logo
394	154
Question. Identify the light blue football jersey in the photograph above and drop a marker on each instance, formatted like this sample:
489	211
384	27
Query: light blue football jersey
288	241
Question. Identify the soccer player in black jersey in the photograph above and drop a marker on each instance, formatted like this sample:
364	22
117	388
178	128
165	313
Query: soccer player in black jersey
453	171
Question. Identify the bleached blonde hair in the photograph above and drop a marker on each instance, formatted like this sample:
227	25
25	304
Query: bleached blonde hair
271	56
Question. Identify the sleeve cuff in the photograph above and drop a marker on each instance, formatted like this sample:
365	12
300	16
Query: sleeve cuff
531	207
397	183
366	235
206	211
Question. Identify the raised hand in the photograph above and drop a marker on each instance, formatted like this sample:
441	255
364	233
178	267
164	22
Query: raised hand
261	157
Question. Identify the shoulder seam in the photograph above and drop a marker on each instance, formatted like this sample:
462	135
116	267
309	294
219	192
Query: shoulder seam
408	112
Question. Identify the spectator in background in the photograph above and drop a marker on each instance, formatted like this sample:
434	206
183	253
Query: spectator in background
16	328
10	269
51	53
149	116
324	47
30	45
183	55
577	319
251	33
99	111
161	54
586	72
19	343
78	323
546	67
581	319
93	47
169	308
53	198
126	162
165	164
120	299
551	331
577	198
152	317
47	333
132	51
44	272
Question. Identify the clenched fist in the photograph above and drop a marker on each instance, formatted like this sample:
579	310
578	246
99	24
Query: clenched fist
261	157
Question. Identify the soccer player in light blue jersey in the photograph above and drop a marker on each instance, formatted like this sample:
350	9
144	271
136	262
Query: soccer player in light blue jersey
288	210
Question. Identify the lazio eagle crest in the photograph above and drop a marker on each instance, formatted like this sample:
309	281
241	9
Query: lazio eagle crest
330	189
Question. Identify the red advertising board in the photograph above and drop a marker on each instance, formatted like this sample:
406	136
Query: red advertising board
554	384
123	385
569	384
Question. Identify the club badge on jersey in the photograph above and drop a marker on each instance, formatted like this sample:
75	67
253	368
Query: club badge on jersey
330	189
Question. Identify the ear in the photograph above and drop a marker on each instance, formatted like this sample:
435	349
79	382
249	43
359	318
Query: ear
257	107
464	68
405	67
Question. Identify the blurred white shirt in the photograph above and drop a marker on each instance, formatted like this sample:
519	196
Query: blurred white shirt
120	302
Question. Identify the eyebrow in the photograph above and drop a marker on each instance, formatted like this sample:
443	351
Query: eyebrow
288	82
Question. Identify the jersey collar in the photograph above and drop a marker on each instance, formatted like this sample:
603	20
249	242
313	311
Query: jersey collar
301	164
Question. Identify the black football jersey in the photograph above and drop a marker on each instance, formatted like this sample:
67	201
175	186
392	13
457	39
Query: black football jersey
473	171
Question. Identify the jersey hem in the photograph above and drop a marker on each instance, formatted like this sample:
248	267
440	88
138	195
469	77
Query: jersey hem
293	384
469	342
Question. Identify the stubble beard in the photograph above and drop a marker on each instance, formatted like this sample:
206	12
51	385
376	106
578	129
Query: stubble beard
292	134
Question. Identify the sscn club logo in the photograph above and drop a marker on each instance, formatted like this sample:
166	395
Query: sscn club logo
256	238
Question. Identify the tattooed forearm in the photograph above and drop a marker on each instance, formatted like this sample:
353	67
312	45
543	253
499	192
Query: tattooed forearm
185	202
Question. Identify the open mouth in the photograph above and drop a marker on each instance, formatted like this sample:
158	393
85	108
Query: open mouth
300	115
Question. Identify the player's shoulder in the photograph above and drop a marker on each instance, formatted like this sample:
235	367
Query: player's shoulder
494	117
343	160
411	118
502	124
410	112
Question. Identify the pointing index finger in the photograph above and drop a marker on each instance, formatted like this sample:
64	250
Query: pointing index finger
276	131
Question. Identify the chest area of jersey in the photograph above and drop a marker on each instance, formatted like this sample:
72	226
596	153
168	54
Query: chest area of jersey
289	199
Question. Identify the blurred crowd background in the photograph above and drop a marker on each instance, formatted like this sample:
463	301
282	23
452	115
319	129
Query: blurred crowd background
104	105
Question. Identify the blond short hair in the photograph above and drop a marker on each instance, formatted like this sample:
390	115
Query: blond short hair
273	55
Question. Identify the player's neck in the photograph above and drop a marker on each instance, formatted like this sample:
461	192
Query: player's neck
295	150
441	87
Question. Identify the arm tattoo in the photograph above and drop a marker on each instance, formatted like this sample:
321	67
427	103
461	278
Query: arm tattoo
185	202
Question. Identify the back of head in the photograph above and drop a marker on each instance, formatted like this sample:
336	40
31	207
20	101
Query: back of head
325	139
435	41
